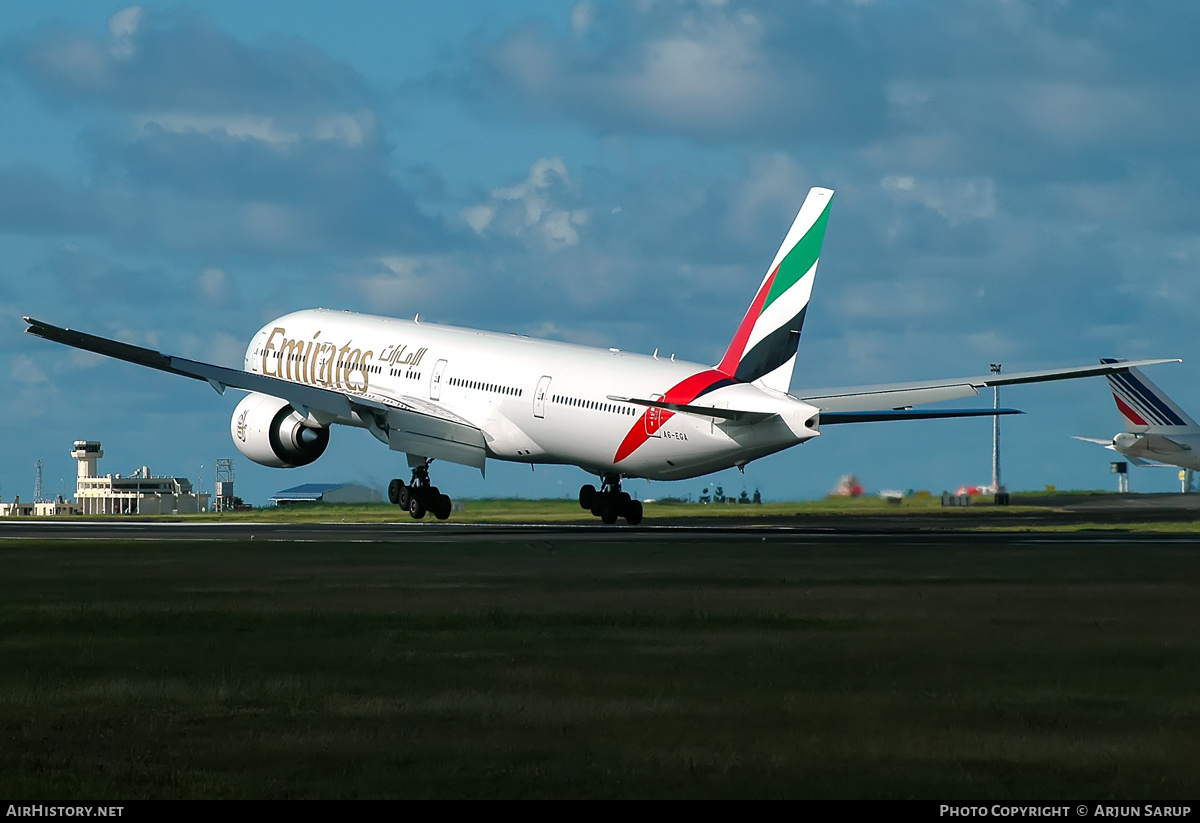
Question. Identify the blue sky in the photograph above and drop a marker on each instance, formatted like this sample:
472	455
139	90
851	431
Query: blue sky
1017	182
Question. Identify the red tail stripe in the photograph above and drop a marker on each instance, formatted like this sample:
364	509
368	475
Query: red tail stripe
1129	413
684	391
737	346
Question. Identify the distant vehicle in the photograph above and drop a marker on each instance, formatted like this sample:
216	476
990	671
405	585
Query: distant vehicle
437	392
1156	429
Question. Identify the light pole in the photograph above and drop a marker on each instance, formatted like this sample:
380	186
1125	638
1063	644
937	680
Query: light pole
996	436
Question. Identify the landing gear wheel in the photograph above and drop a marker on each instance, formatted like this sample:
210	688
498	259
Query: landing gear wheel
416	506
441	509
587	496
633	512
404	496
608	513
394	491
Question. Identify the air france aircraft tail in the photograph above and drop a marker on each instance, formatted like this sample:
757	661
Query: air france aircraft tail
1144	407
763	351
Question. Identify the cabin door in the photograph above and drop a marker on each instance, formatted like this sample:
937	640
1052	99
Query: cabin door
435	382
539	397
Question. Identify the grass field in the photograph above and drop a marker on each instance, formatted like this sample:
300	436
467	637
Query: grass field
513	510
751	669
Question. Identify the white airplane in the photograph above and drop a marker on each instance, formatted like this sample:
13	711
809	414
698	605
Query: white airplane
442	393
1156	429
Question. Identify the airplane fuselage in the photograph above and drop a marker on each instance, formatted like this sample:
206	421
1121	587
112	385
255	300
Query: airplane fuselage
536	401
1181	450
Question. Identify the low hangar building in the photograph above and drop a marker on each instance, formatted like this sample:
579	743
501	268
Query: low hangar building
327	493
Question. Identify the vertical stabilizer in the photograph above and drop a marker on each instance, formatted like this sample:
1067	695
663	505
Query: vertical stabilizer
1144	407
763	351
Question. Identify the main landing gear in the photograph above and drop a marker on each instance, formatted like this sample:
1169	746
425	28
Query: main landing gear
610	503
419	496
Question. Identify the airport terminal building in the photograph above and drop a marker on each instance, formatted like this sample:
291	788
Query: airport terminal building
140	493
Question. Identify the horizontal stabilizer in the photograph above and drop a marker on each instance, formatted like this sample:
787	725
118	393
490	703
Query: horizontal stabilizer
703	411
876	416
1108	444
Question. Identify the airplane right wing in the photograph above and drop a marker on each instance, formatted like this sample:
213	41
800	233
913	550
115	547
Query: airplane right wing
905	395
300	396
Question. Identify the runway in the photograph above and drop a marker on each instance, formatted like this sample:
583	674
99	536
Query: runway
824	529
812	656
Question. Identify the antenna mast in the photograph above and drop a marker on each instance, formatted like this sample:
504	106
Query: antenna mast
38	495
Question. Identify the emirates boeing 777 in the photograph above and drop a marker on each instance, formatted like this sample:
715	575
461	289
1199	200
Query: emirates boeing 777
436	392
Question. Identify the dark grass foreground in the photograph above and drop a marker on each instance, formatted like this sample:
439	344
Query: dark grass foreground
536	670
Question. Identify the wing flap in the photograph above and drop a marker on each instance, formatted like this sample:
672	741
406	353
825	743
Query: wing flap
417	426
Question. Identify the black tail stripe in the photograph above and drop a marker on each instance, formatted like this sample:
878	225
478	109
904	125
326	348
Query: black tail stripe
772	351
1134	399
1136	388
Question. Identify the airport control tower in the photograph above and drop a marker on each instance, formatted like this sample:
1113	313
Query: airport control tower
87	452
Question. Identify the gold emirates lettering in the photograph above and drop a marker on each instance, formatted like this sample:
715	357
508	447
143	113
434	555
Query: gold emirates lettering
320	363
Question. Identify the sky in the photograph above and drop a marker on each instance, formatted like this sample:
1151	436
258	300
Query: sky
1017	182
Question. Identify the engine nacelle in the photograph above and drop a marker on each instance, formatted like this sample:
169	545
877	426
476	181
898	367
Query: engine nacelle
269	431
1126	441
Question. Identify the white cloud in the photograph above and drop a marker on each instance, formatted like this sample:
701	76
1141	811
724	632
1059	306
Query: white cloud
26	372
700	68
349	129
957	200
407	284
220	348
478	217
708	68
890	301
776	185
532	208
214	283
582	16
122	27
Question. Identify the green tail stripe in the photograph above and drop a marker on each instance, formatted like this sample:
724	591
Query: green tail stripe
801	258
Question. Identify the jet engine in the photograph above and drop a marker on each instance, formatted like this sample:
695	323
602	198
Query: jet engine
269	431
1125	441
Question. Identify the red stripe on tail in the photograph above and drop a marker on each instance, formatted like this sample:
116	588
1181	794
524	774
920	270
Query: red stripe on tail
653	418
1129	413
737	346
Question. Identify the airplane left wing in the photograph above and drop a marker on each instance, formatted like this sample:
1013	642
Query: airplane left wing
406	424
903	395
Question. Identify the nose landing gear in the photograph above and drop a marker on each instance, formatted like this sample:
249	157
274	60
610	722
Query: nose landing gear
610	503
419	495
